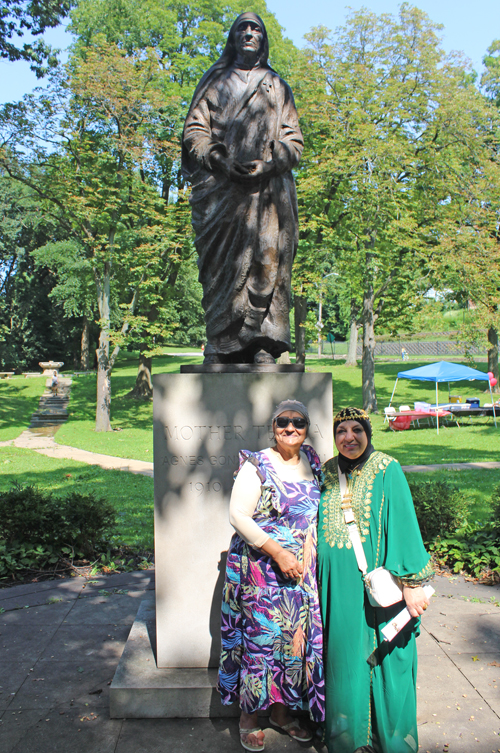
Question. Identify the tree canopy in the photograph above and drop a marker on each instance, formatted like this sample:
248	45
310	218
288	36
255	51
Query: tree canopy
394	131
17	17
398	187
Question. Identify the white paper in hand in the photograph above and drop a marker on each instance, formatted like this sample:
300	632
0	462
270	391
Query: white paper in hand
397	624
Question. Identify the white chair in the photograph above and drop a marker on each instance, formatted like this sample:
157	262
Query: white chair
390	411
405	408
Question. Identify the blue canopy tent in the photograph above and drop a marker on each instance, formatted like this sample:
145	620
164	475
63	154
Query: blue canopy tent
443	371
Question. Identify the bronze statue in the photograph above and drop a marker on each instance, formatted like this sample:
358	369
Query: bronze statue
241	140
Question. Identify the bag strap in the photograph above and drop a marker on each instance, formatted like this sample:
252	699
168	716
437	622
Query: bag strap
350	521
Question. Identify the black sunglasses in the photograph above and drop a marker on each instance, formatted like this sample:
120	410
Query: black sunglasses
283	421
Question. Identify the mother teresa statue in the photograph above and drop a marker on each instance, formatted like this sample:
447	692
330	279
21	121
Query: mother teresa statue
241	140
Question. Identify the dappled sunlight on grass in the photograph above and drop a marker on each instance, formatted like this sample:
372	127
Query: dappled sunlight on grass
130	494
133	418
19	398
477	486
476	441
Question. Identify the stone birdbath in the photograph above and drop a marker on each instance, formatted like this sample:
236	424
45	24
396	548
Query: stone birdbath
50	366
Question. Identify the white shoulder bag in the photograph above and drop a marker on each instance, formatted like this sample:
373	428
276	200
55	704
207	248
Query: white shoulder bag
382	587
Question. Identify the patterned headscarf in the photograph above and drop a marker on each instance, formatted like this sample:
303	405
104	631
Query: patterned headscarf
361	416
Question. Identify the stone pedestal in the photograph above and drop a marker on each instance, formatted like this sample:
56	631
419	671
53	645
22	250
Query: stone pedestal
201	421
142	691
50	366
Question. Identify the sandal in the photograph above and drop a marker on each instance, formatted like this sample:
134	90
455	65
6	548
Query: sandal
249	746
293	725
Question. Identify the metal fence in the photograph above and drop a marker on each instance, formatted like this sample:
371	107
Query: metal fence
432	348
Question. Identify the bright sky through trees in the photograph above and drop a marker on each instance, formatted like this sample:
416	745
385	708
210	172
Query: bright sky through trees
468	26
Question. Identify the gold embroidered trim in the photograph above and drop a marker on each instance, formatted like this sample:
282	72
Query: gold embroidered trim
379	527
361	489
426	573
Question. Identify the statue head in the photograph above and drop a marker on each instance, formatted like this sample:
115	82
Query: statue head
236	43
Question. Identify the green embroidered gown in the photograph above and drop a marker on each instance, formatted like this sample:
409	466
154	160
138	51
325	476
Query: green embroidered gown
368	705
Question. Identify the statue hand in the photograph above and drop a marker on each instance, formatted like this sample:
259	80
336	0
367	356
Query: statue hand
252	172
221	163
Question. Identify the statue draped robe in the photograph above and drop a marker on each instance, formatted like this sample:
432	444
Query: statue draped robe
246	235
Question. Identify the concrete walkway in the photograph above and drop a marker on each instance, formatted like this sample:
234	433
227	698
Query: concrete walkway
52	408
61	642
486	465
33	440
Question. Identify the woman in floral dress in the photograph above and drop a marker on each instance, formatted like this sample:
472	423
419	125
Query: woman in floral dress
271	626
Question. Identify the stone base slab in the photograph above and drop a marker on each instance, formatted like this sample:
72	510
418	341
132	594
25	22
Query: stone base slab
142	691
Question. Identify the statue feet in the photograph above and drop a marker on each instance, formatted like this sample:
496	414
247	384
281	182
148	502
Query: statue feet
211	358
262	356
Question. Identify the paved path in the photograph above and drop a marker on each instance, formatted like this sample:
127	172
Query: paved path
488	465
47	446
61	642
52	407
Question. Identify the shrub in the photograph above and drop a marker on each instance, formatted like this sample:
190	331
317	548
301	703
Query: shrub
440	506
495	502
37	528
473	549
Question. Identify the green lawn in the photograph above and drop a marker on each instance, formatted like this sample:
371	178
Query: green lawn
477	487
19	398
133	418
131	494
475	442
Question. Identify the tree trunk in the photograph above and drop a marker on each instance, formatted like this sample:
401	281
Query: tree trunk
85	345
300	315
103	407
368	362
493	356
351	359
143	388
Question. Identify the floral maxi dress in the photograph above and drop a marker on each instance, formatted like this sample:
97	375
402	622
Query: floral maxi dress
271	625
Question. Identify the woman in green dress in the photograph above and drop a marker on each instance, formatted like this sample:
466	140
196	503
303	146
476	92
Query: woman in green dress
370	683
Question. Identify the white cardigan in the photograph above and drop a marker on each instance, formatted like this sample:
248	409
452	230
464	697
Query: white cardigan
247	490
